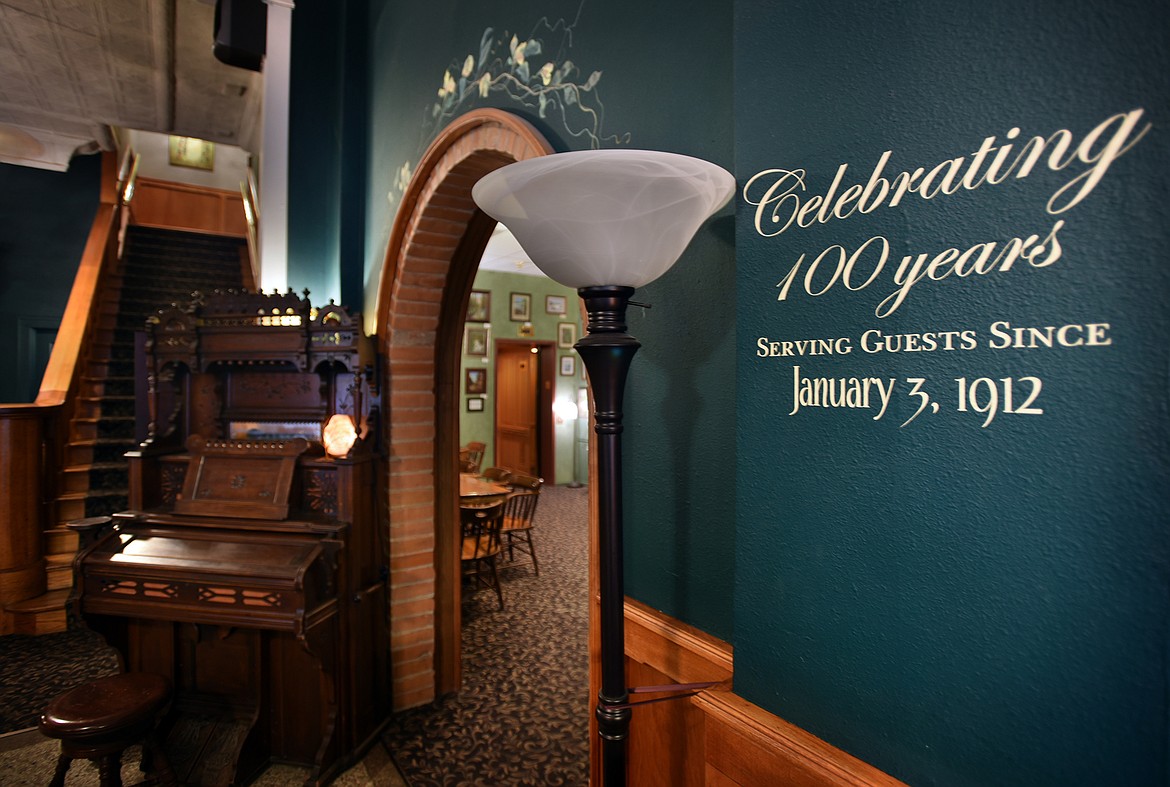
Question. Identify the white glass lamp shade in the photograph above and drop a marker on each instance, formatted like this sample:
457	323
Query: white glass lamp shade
605	217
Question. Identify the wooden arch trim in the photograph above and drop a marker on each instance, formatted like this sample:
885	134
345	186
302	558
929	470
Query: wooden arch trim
435	243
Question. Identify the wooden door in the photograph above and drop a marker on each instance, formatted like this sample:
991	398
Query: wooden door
517	425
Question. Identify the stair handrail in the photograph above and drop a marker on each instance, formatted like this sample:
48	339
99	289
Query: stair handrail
33	436
78	320
252	217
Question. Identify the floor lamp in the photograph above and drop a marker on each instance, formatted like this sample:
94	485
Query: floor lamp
606	222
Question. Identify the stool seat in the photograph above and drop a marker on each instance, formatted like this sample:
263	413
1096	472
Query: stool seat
106	707
99	719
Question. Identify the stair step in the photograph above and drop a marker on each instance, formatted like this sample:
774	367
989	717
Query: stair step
80	452
79	505
44	614
110	368
105	426
82	477
99	386
60	540
70	506
59	571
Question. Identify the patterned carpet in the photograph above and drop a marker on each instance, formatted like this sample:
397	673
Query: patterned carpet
522	716
33	670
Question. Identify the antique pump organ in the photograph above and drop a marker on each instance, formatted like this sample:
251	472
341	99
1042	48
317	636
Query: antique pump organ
249	567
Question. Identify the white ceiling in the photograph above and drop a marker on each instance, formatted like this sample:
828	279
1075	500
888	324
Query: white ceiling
504	253
70	70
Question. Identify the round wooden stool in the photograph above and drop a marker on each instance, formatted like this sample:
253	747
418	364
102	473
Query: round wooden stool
99	720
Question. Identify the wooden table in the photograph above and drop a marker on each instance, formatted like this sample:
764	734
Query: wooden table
474	489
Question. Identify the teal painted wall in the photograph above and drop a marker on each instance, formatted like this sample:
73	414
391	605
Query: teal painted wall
326	120
45	218
679	439
958	604
954	602
481	425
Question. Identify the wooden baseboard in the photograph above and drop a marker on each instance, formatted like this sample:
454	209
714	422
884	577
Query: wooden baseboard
718	739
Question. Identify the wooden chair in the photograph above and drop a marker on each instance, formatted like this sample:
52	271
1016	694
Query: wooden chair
481	543
500	475
519	511
522	481
471	457
99	720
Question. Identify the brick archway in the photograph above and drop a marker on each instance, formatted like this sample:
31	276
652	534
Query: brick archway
435	244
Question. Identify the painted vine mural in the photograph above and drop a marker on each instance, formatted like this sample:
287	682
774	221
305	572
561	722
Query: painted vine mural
527	72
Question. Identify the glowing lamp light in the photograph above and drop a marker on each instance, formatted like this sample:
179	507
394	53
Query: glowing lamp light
564	410
338	435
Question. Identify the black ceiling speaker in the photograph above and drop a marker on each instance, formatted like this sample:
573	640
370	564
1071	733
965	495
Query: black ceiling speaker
241	28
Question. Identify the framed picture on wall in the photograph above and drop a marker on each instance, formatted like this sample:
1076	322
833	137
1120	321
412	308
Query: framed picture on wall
475	405
568	365
555	304
475	381
476	340
479	307
520	309
566	334
190	152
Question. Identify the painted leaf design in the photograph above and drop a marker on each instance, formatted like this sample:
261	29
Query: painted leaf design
485	46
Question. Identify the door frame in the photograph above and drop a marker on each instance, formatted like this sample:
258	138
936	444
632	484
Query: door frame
545	389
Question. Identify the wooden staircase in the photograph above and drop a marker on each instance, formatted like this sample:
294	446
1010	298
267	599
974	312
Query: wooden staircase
158	267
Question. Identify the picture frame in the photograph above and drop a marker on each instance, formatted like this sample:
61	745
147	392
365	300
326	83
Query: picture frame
475	405
479	306
566	334
556	304
568	365
191	152
475	381
477	340
520	307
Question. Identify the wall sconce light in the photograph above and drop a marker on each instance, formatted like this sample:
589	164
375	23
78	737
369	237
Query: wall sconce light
606	222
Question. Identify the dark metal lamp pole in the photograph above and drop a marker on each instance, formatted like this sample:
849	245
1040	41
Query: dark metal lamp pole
607	351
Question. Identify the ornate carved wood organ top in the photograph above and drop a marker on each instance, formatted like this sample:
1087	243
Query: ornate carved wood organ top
249	567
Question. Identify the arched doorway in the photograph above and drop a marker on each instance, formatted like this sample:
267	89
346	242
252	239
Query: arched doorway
435	244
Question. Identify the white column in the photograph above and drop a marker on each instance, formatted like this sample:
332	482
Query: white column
274	148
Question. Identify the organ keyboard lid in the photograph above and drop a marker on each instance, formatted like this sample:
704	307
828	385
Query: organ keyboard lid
227	577
208	553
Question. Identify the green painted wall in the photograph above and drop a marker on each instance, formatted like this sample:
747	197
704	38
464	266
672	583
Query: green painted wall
45	218
957	601
480	426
